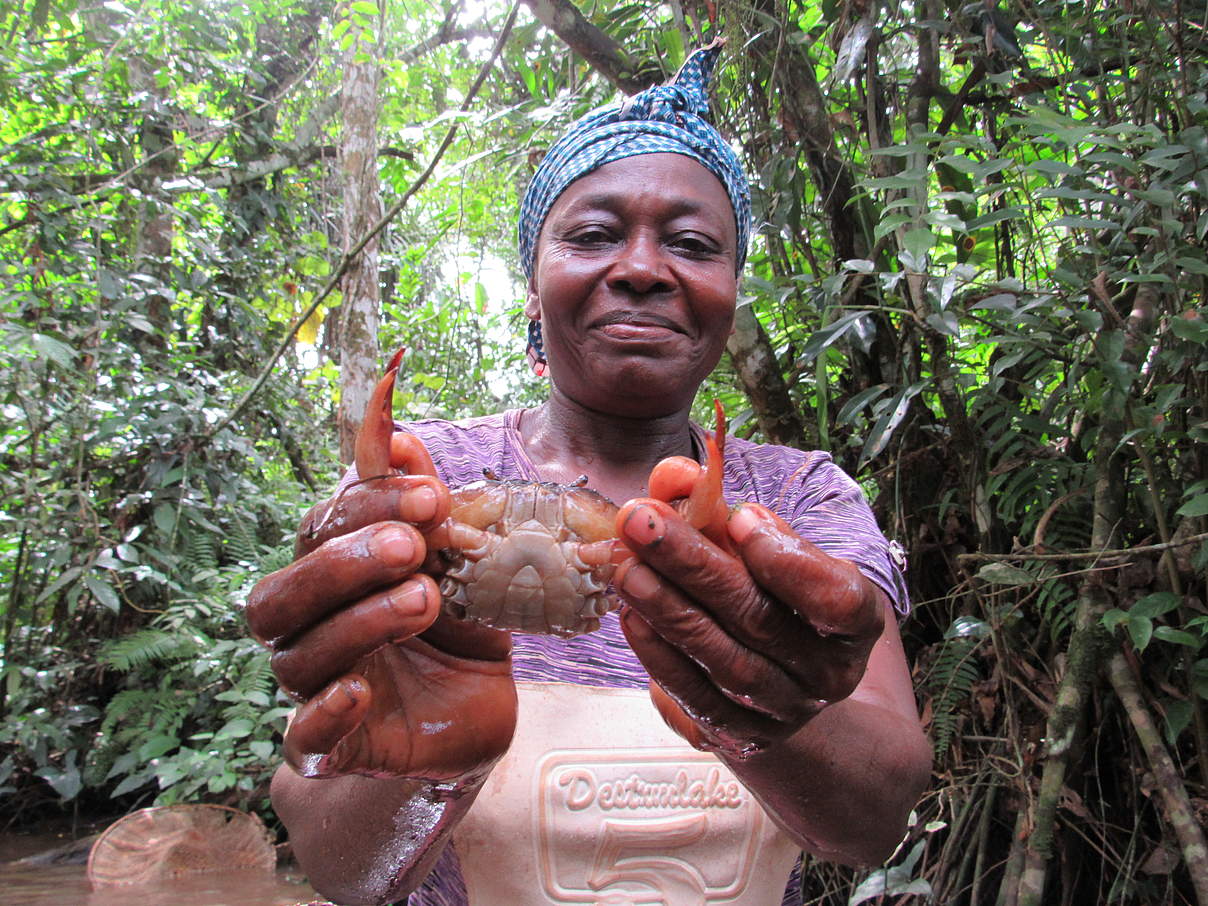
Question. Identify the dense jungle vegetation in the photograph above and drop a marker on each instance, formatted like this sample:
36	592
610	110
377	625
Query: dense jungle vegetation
979	281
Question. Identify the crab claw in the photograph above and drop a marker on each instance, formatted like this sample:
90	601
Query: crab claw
698	488
379	450
372	449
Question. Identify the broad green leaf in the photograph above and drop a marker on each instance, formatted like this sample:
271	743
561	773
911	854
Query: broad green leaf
908	179
1176	716
1190	326
992	217
968	627
103	591
235	729
945	322
1156	604
859	401
890	223
157	746
1085	223
164	517
1177	637
1163	197
66	781
882	430
917	243
58	352
64	578
832	333
1195	265
1196	506
1052	167
1140	629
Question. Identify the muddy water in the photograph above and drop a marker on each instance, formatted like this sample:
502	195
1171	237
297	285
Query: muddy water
66	885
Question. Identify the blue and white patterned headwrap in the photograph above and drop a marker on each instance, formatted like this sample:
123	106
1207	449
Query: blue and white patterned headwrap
666	118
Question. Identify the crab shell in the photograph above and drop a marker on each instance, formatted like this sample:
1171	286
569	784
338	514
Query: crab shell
522	569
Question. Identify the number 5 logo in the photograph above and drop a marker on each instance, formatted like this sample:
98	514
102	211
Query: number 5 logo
634	852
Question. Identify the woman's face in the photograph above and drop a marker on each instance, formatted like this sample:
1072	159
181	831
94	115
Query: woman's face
634	284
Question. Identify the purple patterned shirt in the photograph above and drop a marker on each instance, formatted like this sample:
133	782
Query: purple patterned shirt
806	489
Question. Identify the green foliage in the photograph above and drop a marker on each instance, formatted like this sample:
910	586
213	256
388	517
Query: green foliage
950	682
981	252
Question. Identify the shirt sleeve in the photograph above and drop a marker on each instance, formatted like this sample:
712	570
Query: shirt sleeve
823	504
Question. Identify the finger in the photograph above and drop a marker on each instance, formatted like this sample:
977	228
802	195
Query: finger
334	645
741	674
343	570
720	724
830	593
467	639
420	500
320	724
822	661
673	478
708	575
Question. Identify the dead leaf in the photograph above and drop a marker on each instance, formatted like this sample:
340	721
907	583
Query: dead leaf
1162	860
1072	802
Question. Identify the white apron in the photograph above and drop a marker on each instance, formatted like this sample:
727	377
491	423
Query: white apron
598	802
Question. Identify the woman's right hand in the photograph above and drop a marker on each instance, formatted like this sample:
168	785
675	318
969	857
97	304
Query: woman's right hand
387	686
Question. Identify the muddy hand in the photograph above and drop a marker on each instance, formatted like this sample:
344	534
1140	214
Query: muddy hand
745	639
342	622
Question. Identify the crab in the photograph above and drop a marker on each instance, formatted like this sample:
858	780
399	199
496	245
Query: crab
534	556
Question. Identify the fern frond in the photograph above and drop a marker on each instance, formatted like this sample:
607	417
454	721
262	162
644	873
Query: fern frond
1058	604
241	544
200	548
147	646
125	703
952	677
277	558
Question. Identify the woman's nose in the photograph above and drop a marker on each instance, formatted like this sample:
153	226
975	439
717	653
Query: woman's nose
641	267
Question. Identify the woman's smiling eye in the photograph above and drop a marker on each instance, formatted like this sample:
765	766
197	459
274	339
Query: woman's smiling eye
590	236
695	244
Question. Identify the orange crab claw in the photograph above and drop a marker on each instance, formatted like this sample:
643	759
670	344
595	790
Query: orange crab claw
705	508
699	488
378	447
372	449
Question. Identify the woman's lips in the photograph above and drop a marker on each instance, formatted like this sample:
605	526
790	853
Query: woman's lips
630	331
626	326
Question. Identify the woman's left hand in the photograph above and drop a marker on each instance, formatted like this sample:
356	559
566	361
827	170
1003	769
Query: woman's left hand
742	650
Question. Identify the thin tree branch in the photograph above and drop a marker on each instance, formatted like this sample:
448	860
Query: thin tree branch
595	46
351	254
1173	797
1090	554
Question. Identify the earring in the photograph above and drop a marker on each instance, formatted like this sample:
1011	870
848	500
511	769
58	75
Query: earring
536	349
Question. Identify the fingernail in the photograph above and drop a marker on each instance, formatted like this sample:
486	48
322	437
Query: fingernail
393	546
633	624
409	599
420	504
640	582
644	525
742	522
337	700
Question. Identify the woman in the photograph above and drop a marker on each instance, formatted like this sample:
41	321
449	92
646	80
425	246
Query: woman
783	716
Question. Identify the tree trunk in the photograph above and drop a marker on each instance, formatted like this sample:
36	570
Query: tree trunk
751	352
596	46
360	309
